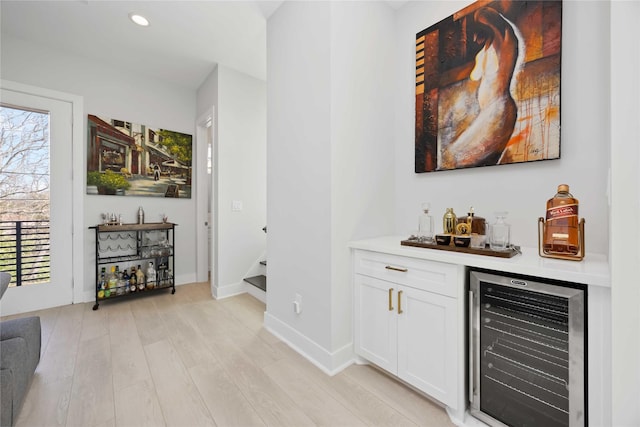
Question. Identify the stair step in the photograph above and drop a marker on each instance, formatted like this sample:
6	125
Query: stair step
259	282
263	262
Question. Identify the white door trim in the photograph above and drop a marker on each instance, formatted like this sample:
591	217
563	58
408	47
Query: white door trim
202	231
77	171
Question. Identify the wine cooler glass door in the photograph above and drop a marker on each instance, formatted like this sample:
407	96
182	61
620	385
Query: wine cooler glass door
529	357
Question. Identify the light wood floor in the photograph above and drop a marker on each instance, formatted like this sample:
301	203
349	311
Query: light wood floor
189	360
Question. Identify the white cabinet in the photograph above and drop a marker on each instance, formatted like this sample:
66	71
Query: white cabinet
406	320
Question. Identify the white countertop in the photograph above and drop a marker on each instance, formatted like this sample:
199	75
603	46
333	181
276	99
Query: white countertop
592	270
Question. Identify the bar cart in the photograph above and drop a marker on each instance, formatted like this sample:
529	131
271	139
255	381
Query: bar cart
125	246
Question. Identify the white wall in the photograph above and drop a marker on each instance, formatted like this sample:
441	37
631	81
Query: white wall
240	122
362	175
329	155
299	171
520	189
111	92
625	198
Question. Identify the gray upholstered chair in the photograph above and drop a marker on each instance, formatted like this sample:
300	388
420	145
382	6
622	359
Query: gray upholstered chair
19	355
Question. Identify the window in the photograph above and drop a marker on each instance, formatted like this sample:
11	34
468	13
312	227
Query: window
24	194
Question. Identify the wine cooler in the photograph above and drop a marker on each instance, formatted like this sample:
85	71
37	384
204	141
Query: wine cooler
527	349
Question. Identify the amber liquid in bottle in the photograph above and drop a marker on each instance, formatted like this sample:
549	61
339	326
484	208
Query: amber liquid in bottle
561	228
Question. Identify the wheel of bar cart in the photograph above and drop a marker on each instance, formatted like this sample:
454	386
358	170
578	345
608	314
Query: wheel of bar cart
95	306
173	291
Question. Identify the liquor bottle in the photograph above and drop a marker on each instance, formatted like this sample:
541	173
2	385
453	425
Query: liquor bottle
151	276
477	223
113	279
123	282
102	282
133	279
140	276
425	224
561	226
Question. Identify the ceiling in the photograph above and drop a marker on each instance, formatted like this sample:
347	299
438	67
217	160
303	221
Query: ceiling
182	45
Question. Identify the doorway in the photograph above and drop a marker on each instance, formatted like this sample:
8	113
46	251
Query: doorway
206	199
38	197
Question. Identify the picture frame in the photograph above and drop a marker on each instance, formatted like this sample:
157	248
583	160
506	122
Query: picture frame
488	86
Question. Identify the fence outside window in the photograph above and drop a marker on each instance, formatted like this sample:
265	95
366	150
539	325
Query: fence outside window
25	251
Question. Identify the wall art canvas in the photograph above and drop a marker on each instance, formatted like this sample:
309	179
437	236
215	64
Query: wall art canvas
130	159
488	86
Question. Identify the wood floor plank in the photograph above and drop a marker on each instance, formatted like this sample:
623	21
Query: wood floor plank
46	403
179	398
95	323
322	408
148	321
186	338
137	405
271	403
91	402
355	397
58	358
223	398
410	403
129	365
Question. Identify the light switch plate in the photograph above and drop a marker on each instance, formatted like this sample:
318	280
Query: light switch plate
236	205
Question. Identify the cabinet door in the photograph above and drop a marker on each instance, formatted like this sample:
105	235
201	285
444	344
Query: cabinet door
427	350
375	323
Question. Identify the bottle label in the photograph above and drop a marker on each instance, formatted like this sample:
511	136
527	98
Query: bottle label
563	211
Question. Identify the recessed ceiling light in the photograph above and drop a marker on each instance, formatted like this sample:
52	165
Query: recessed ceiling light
139	19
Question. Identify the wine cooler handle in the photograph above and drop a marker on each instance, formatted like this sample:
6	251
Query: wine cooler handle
471	349
390	299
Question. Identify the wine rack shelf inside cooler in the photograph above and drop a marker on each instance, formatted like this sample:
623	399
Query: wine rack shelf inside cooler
526	348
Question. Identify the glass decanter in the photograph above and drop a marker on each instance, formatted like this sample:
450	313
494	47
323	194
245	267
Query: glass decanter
500	233
425	224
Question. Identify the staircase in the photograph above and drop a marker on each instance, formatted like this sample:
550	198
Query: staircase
259	282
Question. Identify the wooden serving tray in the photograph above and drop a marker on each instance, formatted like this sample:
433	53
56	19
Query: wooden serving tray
511	252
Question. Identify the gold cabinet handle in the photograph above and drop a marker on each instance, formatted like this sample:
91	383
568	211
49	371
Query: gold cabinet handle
402	270
400	302
390	299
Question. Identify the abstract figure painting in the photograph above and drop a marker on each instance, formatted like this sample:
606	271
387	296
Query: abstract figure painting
488	86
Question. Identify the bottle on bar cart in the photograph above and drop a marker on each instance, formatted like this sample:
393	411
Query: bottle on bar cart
151	276
561	227
140	276
102	283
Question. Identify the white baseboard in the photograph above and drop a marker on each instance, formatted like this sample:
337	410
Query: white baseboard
220	292
330	363
257	293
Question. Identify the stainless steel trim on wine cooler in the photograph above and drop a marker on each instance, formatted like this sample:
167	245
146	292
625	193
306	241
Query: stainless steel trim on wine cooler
527	347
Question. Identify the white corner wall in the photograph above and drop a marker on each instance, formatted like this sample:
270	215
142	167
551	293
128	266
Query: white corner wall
362	174
330	169
625	201
521	189
299	175
109	91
